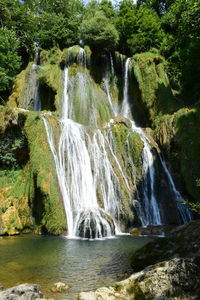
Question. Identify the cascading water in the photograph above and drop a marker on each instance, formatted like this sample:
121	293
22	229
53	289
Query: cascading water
106	80
81	58
85	173
151	213
90	175
183	209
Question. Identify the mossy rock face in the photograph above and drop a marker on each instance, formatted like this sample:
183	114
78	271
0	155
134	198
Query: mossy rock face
128	150
46	203
15	213
25	88
150	86
30	198
178	134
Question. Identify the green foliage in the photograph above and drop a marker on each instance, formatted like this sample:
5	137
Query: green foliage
20	19
9	177
9	58
99	33
182	24
57	30
139	28
9	147
160	6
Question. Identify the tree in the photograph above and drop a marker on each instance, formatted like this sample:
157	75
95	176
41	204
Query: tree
9	58
99	33
160	6
181	45
139	28
56	30
107	8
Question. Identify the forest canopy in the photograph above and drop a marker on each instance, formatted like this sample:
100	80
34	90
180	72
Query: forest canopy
170	26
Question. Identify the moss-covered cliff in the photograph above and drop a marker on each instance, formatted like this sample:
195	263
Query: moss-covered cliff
175	127
95	92
30	199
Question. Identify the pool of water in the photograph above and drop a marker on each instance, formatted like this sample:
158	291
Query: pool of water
82	264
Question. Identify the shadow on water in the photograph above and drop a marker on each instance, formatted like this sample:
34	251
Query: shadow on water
82	264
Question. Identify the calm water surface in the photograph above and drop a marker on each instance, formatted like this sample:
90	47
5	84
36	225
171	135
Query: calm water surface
82	264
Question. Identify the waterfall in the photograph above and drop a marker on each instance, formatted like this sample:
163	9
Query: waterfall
112	65
106	84
93	183
37	106
81	57
85	172
151	213
125	108
183	209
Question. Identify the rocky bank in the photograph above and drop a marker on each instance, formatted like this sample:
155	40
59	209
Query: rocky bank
171	270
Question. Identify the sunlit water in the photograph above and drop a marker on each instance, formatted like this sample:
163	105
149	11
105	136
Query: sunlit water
82	264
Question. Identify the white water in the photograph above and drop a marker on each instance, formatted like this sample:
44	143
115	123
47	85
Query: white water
89	173
125	108
183	210
86	175
37	106
81	58
151	213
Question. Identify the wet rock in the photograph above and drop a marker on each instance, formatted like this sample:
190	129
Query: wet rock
121	120
151	230
177	279
59	287
24	291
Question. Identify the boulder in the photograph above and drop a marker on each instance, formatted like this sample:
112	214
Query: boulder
24	291
177	279
59	287
184	241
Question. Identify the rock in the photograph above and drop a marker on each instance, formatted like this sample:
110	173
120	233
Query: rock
59	287
178	278
184	241
122	120
87	296
24	291
151	230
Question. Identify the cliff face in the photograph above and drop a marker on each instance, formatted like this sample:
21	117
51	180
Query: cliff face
175	127
31	198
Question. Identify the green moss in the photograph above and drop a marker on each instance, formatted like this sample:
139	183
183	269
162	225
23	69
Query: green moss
52	56
179	136
42	171
155	94
16	98
50	75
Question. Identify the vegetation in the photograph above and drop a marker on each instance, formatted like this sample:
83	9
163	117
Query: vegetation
171	26
98	33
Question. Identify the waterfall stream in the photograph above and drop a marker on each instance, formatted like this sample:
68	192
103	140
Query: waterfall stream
89	172
151	209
